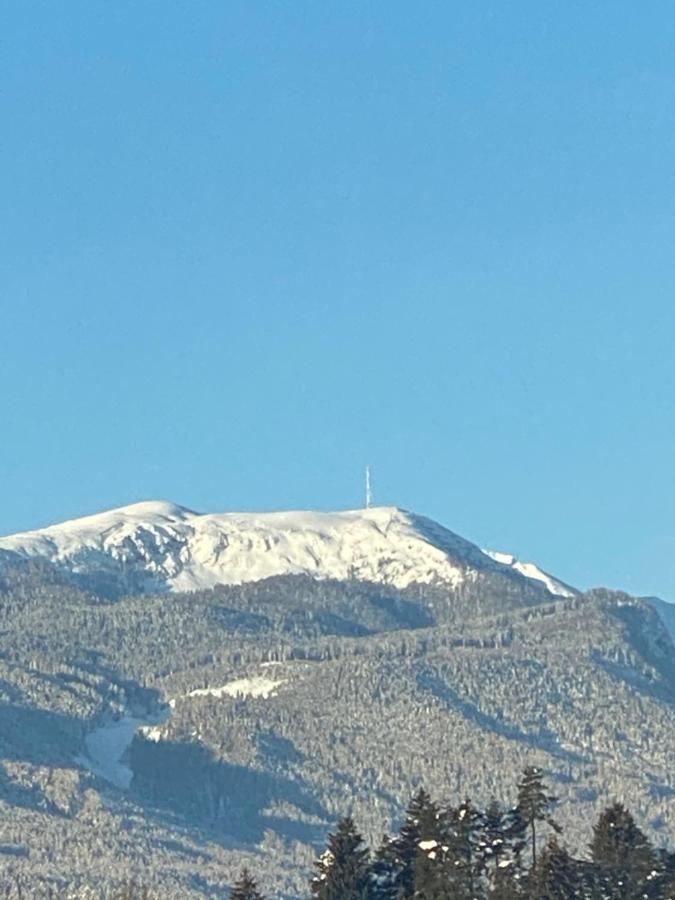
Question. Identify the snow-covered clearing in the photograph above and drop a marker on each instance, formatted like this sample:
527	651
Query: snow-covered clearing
257	686
107	745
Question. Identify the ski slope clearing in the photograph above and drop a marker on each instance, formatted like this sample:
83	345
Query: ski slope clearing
107	745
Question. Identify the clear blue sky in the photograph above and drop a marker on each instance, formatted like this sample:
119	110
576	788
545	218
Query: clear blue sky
248	247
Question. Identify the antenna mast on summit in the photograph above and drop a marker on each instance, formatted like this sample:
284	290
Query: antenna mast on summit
369	490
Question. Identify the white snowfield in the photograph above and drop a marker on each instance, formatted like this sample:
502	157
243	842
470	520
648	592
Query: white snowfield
107	746
158	546
529	570
256	686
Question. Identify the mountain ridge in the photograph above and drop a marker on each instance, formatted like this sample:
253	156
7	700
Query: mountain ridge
161	546
240	721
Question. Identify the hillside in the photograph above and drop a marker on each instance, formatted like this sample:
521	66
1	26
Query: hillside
174	735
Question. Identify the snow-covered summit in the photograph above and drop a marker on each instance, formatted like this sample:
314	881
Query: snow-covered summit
156	545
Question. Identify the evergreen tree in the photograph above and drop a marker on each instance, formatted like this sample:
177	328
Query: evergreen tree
494	838
343	870
506	884
534	805
622	853
384	870
464	861
555	875
430	877
401	862
668	875
500	847
245	888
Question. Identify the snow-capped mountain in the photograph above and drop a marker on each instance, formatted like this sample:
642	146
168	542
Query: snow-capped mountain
157	546
250	713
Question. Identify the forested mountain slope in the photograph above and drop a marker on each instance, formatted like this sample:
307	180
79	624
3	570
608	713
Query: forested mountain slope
263	711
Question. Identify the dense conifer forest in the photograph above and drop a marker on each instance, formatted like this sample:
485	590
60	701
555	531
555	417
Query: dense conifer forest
258	716
461	852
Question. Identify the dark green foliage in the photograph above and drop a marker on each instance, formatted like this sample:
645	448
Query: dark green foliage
343	870
667	867
621	853
463	858
555	875
400	865
506	885
464	853
495	829
501	846
534	805
245	888
384	870
500	849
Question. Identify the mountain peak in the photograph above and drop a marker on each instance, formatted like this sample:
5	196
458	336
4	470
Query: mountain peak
158	546
155	508
141	510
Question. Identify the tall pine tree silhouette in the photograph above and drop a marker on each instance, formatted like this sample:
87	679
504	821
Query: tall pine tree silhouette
534	805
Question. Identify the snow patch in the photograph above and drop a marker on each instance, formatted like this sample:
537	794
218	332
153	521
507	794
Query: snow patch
107	745
532	572
257	686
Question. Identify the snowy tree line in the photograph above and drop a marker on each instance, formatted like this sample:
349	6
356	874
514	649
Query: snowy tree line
462	852
445	852
379	691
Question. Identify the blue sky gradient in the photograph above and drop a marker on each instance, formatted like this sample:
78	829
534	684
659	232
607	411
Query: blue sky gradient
249	247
